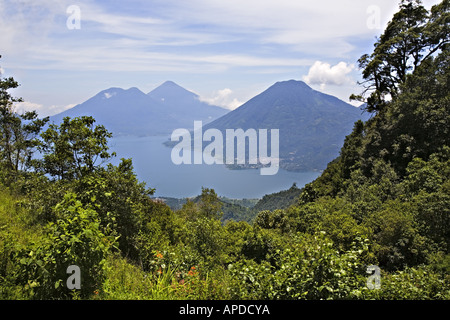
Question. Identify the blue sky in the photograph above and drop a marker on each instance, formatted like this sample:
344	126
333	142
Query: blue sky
226	51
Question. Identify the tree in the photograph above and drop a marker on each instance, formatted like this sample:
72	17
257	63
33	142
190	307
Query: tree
417	122
18	133
74	148
413	35
204	232
276	219
210	205
123	203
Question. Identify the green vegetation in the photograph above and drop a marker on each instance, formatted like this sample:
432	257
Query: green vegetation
384	201
232	209
244	209
279	200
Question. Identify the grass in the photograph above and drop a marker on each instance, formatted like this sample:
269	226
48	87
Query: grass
125	281
15	221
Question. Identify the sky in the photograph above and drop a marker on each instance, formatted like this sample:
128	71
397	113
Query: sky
227	51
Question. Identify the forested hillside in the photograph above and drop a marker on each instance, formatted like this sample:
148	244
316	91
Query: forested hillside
385	201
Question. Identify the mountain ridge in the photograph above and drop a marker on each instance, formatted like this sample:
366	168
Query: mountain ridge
133	112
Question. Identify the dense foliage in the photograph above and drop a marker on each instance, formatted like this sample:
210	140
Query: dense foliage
384	201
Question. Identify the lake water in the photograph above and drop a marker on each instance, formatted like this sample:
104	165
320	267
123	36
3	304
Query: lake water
153	164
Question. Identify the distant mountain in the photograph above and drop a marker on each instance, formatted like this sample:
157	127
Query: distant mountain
132	112
312	125
185	105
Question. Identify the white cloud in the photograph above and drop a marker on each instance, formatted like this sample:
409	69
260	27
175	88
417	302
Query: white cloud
43	111
133	41
26	24
223	98
25	106
249	40
323	73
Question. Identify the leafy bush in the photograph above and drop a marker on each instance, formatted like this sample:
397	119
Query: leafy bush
74	239
411	284
311	269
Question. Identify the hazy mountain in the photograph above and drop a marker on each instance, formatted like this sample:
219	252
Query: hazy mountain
312	125
132	112
185	105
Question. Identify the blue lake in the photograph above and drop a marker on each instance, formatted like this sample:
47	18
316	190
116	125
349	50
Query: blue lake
153	164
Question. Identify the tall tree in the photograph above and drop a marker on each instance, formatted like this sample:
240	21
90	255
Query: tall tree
19	134
413	35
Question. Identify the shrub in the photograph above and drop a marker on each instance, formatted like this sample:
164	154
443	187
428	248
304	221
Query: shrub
311	269
74	239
